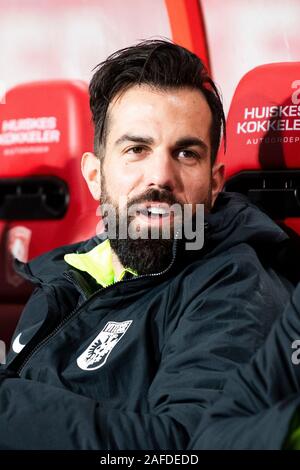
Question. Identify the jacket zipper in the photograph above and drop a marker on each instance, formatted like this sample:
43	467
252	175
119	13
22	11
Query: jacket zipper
77	309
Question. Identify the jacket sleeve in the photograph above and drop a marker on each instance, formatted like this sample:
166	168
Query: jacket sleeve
220	328
261	400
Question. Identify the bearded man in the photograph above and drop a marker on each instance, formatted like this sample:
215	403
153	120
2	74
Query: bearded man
129	336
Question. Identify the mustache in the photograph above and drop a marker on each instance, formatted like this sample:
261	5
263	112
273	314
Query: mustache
155	195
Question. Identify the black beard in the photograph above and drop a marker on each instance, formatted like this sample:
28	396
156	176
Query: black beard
145	256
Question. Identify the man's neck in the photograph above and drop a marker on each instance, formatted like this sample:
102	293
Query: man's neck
117	265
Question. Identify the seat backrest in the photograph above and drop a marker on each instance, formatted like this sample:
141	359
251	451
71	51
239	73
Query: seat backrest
263	140
45	127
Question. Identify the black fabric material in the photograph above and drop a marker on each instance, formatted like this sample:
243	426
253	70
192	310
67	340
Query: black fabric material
210	311
260	399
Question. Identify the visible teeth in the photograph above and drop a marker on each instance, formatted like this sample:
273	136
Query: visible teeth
157	210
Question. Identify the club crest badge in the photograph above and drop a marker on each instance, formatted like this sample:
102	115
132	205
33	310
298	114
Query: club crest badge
95	356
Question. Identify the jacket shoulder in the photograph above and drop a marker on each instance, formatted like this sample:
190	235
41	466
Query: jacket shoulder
51	265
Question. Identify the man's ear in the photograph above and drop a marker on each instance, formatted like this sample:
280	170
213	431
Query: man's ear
91	171
217	180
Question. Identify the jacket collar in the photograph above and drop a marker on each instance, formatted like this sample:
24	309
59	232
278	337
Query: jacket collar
98	263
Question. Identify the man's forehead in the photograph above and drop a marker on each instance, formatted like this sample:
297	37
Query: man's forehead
141	103
143	94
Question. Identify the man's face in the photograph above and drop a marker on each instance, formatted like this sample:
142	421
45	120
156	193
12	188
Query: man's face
157	153
158	140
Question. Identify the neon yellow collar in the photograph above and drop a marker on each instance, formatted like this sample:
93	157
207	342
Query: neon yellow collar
97	263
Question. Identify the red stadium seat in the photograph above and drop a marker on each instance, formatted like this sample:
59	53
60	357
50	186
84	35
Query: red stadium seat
44	202
263	134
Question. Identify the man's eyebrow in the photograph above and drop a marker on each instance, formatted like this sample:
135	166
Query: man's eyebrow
134	138
182	142
190	142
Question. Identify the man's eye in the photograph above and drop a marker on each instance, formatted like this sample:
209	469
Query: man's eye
136	150
187	154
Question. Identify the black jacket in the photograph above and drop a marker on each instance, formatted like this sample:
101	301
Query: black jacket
134	365
260	403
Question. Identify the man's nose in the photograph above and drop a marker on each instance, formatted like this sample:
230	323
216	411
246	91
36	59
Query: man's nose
161	171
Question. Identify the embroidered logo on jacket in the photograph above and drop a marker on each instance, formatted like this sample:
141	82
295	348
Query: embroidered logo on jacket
96	354
16	345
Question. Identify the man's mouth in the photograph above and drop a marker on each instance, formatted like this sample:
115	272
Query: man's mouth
156	211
